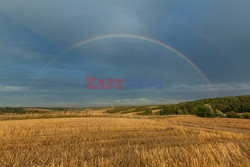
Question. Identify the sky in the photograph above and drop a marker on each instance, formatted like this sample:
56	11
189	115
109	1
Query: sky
199	49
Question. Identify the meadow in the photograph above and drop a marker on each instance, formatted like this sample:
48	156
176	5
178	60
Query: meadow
98	138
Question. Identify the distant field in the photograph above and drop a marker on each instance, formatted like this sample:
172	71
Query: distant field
108	140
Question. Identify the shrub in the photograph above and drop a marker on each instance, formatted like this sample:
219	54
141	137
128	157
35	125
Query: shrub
146	112
246	115
233	114
166	112
204	111
218	113
180	112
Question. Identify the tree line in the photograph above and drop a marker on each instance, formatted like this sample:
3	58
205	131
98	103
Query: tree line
233	107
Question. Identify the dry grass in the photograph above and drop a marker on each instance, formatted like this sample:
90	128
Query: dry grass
226	124
105	141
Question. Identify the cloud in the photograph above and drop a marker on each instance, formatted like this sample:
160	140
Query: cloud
217	88
9	88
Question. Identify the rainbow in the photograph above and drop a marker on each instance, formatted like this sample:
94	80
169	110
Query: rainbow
108	36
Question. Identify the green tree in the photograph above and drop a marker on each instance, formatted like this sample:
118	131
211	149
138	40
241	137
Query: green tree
232	114
204	111
246	115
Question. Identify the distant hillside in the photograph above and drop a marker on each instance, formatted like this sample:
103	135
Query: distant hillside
232	107
28	110
218	106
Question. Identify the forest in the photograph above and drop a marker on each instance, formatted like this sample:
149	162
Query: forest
232	107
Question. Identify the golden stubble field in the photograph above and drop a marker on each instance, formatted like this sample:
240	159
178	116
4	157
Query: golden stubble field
111	141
